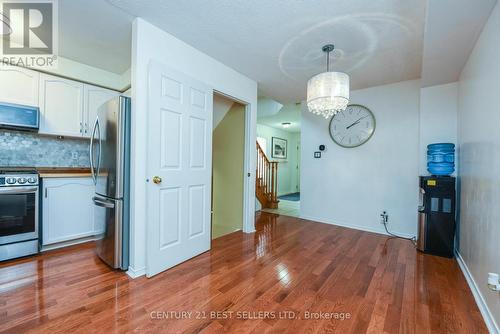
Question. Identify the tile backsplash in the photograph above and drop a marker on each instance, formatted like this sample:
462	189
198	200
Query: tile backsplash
27	149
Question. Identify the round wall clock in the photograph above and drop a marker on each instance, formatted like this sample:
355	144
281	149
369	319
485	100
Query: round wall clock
352	127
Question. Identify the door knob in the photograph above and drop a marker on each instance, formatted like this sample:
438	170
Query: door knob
156	180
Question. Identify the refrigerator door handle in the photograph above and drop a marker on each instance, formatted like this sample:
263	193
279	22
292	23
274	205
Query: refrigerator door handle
102	203
91	152
98	127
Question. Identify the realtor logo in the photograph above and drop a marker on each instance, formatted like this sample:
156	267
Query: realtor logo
29	32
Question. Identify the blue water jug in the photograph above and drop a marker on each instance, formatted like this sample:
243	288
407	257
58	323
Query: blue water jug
441	158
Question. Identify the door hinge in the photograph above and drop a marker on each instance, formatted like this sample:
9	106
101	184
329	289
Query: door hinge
248	174
46	192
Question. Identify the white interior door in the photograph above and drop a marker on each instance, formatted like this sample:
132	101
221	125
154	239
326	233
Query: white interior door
179	160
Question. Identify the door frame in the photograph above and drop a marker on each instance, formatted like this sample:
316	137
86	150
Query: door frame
248	212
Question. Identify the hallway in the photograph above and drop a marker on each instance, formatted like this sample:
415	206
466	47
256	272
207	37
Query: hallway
286	208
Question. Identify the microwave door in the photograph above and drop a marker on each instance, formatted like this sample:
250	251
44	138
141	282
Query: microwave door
19	117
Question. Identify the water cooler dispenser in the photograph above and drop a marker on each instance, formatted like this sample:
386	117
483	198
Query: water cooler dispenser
437	215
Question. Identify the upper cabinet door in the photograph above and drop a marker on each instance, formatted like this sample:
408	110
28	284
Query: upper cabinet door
61	106
19	85
94	98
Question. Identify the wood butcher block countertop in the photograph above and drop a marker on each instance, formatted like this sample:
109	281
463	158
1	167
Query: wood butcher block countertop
63	172
46	172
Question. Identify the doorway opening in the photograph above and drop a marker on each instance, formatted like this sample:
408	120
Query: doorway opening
278	141
228	165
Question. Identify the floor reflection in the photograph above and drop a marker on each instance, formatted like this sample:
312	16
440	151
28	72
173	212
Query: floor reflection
265	226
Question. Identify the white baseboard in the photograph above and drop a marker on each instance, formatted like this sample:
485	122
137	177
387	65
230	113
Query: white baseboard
68	243
356	227
135	273
478	296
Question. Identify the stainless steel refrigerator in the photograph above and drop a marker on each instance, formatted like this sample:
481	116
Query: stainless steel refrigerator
109	162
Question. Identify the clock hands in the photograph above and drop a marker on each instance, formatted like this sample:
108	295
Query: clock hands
353	124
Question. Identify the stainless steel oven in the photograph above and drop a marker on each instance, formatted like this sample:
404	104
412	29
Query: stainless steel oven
18	214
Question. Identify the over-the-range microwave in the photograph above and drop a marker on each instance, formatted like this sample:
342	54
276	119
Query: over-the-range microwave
19	117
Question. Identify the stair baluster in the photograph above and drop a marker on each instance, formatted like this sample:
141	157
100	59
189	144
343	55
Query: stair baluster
266	182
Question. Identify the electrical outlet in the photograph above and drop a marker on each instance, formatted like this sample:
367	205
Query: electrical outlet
494	281
74	155
384	218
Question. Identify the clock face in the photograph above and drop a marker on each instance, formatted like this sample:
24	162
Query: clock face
352	127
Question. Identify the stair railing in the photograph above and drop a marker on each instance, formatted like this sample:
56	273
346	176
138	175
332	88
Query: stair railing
267	178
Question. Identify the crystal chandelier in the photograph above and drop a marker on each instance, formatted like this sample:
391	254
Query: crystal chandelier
328	92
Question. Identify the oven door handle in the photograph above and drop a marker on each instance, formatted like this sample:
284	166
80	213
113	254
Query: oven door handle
19	190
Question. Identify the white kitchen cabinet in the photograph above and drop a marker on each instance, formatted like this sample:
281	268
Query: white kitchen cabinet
61	106
67	107
19	85
67	209
94	98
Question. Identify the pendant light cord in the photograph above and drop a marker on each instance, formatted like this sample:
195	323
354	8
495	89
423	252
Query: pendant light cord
328	61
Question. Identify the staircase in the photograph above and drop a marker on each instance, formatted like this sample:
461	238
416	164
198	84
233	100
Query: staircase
266	181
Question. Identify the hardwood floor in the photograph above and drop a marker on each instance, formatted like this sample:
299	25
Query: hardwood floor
289	266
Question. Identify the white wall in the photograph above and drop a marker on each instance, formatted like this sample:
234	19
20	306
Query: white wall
351	187
268	107
228	144
479	138
150	42
438	119
221	106
287	168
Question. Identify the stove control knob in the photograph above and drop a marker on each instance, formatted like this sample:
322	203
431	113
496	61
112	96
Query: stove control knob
21	180
10	180
31	180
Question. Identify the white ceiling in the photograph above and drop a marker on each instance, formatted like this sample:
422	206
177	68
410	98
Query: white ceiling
95	33
278	42
449	39
288	113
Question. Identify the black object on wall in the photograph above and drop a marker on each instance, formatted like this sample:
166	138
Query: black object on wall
437	215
